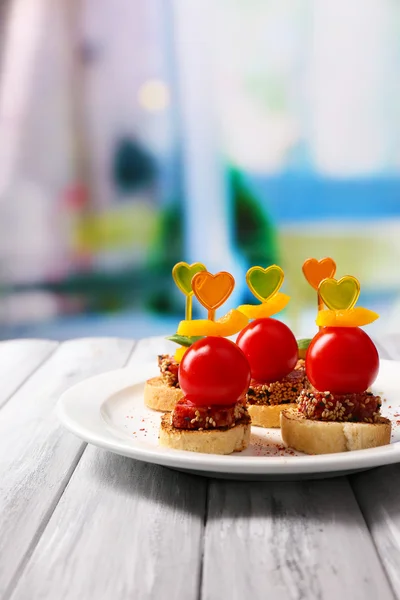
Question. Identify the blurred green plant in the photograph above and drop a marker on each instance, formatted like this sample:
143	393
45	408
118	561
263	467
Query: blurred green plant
254	235
254	232
132	166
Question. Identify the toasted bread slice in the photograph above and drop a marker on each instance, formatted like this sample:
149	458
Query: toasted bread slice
327	437
267	415
160	396
209	441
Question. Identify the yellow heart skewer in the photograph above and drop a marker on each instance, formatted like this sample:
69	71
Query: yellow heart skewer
340	297
340	294
182	274
264	283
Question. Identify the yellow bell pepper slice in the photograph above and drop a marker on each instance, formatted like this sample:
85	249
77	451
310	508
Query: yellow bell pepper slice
353	317
180	353
227	325
265	309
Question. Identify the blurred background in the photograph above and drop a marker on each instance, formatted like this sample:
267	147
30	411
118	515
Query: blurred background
137	133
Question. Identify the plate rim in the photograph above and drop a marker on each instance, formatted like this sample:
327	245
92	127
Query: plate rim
207	463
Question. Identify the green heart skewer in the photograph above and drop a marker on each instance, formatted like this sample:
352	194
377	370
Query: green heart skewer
182	274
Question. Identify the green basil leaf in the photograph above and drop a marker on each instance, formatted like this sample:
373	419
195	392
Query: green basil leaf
303	343
184	340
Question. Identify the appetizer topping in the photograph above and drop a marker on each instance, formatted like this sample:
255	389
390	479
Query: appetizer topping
214	371
339	294
324	406
168	369
279	392
265	309
353	317
184	343
265	284
343	360
187	415
227	325
340	297
184	340
179	354
303	345
270	348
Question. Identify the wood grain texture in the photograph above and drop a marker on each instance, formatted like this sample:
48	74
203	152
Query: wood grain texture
37	456
378	493
147	350
18	360
85	524
289	541
123	529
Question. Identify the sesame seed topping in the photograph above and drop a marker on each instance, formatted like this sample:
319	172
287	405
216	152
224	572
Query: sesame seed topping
348	407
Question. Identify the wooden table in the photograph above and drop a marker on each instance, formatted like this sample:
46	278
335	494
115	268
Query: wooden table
79	523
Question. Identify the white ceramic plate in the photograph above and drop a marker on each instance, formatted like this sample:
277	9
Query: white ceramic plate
108	411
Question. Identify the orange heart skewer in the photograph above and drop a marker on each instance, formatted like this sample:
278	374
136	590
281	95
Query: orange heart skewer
316	271
212	290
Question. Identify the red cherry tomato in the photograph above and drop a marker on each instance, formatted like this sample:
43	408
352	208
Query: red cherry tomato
342	360
271	349
214	371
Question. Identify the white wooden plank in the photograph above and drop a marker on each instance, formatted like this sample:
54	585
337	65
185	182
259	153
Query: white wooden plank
146	352
37	456
18	360
378	493
289	541
123	529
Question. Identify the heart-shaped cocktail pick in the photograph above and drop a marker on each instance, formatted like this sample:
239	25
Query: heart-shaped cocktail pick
264	283
340	295
212	290
316	270
183	274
